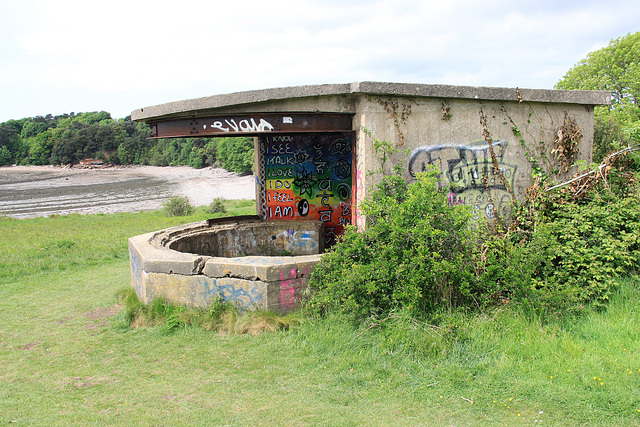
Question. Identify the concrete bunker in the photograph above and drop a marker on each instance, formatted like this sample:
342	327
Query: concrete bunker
253	263
315	148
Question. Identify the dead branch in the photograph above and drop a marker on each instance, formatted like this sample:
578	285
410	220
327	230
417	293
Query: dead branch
604	166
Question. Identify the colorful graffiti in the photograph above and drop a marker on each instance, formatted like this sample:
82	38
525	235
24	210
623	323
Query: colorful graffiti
470	176
308	176
291	286
243	293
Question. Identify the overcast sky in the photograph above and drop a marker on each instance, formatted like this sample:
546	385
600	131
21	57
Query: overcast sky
74	56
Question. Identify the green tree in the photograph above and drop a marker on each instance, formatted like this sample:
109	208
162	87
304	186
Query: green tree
31	129
614	68
235	154
9	143
95	117
5	156
40	148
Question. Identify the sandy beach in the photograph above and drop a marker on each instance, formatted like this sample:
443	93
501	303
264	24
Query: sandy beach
32	191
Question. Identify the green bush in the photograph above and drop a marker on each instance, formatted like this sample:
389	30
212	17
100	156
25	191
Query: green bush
217	206
593	243
414	254
178	206
505	266
561	254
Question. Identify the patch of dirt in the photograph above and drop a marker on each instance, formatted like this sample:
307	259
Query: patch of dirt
30	346
103	313
100	316
84	382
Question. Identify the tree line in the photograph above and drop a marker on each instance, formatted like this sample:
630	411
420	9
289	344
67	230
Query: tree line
71	138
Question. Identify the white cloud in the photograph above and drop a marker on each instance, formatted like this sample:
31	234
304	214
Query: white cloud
76	55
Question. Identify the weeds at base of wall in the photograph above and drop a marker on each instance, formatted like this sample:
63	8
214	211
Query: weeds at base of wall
222	317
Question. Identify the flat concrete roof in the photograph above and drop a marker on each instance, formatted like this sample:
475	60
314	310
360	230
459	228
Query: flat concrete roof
207	105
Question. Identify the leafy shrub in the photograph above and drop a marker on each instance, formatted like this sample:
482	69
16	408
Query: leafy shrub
505	266
217	206
593	244
178	206
415	253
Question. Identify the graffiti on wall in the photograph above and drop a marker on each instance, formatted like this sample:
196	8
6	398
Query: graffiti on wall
292	285
137	274
249	294
242	293
308	176
244	125
470	175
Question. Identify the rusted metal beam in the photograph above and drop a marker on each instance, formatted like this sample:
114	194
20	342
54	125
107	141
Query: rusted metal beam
252	124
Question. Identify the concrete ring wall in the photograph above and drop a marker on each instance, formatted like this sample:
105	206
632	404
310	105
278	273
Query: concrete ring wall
263	282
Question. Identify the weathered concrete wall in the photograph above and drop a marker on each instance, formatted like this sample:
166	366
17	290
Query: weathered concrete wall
236	239
448	134
274	283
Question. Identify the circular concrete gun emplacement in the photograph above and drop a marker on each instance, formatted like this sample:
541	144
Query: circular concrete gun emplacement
253	263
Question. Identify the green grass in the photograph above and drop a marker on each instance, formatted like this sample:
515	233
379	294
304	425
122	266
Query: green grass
67	358
42	245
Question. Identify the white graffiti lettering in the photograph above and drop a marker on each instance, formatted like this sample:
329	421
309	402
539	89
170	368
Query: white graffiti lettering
282	197
325	216
280	160
281	212
281	149
282	138
324	185
325	199
280	184
245	125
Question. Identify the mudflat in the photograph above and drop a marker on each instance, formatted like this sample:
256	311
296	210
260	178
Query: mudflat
32	191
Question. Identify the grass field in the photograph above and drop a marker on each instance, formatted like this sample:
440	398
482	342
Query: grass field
67	356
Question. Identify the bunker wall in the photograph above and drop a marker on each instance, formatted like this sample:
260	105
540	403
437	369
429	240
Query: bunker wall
274	283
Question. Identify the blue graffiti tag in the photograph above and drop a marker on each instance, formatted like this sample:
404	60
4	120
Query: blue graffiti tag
237	295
